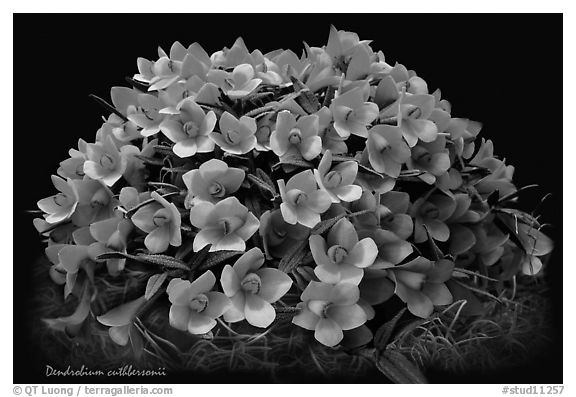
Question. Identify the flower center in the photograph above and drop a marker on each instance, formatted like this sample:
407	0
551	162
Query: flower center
280	233
190	128
100	198
61	199
337	253
295	136
429	210
216	190
229	225
420	155
332	179
106	161
161	217
150	114
384	149
232	137
80	169
300	198
381	144
385	214
319	308
349	115
413	112
251	283
164	67
199	303
171	65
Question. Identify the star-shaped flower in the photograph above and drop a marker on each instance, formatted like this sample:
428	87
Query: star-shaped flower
212	181
432	212
235	136
194	306
352	114
105	162
293	137
302	202
226	225
60	206
338	181
342	256
147	114
252	288
413	114
387	150
330	309
161	221
189	130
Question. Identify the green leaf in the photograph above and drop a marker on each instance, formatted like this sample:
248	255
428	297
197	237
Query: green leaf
215	258
132	211
301	281
306	272
163	149
139	85
384	333
327	224
150	160
199	257
515	194
398	368
107	106
329	96
369	170
492	199
154	283
262	184
340	158
510	230
307	100
155	259
436	252
185	249
520	215
263	109
176	170
163	260
266	178
293	258
293	161
410	173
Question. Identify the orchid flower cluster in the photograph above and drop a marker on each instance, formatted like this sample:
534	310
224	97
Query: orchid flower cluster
242	185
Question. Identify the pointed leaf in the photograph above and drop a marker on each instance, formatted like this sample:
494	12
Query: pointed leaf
382	336
294	257
398	368
218	257
154	284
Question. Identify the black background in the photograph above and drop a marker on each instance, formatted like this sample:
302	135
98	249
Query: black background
502	70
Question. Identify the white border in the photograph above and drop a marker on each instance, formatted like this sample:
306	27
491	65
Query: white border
569	145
